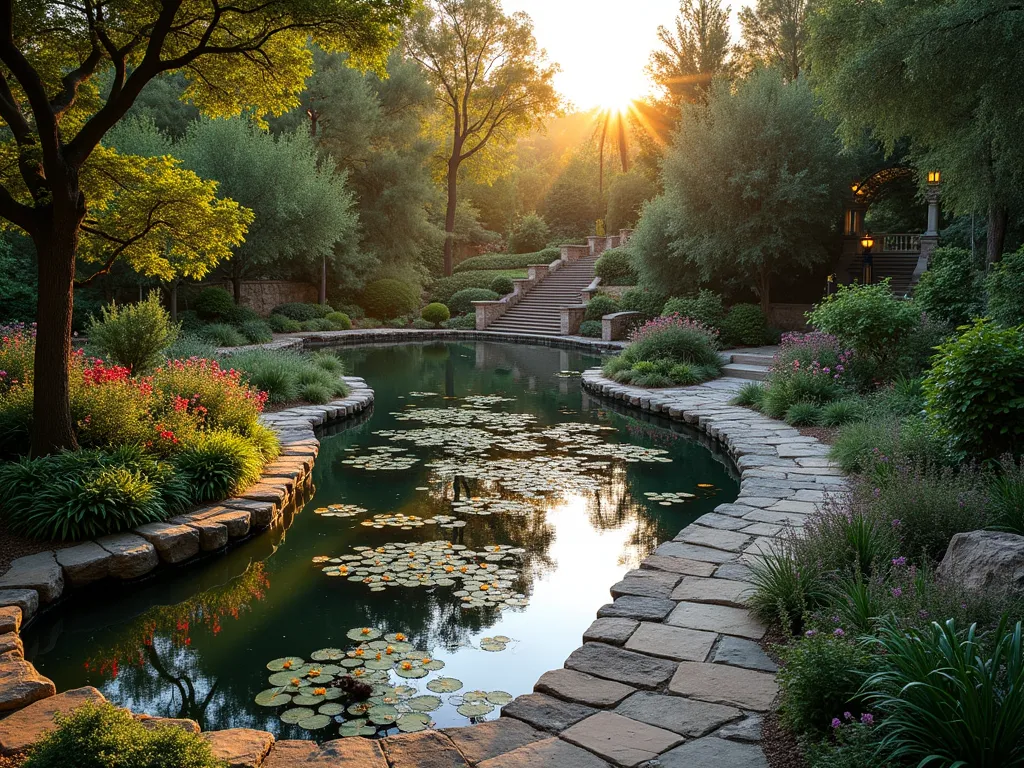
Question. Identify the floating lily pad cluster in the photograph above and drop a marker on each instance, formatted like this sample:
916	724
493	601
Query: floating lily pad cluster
463	441
532	478
483	576
382	457
498	421
340	510
490	505
311	696
494	644
482	401
668	499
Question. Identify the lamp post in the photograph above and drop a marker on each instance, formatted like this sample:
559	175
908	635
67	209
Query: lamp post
867	243
932	195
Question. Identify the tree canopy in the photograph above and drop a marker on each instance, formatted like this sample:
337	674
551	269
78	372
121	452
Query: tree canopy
695	52
943	74
489	77
250	55
757	179
775	34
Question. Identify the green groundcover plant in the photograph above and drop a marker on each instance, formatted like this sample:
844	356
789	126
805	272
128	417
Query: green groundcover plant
667	351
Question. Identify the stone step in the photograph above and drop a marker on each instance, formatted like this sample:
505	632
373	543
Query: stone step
748	359
743	371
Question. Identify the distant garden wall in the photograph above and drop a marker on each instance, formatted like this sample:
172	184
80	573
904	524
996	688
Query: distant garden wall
264	295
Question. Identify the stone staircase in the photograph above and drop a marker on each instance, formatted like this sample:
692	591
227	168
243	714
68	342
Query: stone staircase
748	364
537	312
899	267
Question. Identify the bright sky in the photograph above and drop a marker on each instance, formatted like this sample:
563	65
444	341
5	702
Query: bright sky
602	45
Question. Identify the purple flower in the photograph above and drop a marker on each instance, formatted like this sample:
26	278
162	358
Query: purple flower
838	632
900	561
810	633
897	592
896	523
867	718
836	722
847	715
876	492
836	619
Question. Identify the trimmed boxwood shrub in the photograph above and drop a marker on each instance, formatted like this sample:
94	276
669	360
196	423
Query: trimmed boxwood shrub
389	298
502	285
744	326
462	302
282	324
615	267
465	322
599	306
317	324
444	288
507	260
339	321
238	315
435	313
591	329
213	303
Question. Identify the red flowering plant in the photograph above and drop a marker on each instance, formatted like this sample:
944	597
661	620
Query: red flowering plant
109	407
17	351
216	396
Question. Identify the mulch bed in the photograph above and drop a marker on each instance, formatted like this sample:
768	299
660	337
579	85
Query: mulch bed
780	746
826	435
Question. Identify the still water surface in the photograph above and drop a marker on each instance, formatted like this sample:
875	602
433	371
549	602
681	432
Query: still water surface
571	487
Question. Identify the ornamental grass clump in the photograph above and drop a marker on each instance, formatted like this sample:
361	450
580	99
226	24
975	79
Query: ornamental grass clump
287	376
667	350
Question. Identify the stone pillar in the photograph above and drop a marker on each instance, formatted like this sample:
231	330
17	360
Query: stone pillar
572	318
597	244
574	252
615	326
932	195
538	272
930	239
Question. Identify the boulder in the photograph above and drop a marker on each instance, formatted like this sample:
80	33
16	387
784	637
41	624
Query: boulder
240	747
133	556
174	543
25	601
23	729
39	572
10	619
985	560
20	683
85	563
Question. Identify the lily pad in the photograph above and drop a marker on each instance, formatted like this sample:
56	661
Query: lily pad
383	714
379	664
285	663
356	728
475	710
293	715
444	685
315	722
423	703
272	697
499	698
405	691
492	646
359	709
412	673
331	709
328	654
363	634
412	722
308	700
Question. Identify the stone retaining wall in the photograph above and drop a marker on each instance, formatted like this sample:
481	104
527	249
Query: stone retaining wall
670	670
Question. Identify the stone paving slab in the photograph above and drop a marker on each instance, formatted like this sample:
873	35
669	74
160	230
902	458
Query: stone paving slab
714	753
426	749
686	717
720	684
716	538
26	601
614	631
546	712
582	688
613	663
673	643
638	608
693	552
678	565
240	747
646	583
550	753
621	740
738	652
717	618
748	729
717	591
483	741
39	572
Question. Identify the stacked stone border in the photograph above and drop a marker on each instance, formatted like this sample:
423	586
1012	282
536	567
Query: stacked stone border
670	671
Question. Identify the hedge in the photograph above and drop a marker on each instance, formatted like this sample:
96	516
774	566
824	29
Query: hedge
508	260
443	289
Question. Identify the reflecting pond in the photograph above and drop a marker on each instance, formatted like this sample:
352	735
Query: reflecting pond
459	540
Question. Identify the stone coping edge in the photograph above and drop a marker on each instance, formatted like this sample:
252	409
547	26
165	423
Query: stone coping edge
669	671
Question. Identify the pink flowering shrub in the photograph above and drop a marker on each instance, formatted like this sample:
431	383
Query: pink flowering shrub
666	351
674	320
816	352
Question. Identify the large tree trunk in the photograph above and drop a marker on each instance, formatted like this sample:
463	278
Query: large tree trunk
56	244
449	217
764	287
997	221
236	288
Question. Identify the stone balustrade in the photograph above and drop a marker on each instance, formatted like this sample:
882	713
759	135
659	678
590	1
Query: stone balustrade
591	290
615	326
574	252
489	311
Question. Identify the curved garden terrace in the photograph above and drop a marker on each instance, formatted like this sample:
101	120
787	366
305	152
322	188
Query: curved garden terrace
648	650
